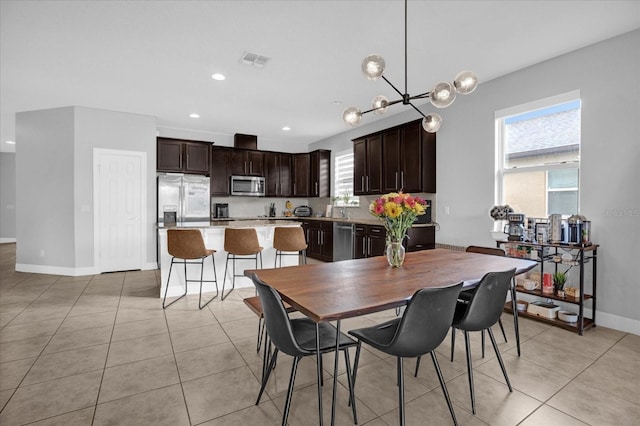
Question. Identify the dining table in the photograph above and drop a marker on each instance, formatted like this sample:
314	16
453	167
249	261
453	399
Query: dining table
339	290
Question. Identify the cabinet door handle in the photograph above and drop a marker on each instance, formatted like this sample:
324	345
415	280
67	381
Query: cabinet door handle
396	186
364	249
317	192
369	250
368	188
294	189
401	180
362	183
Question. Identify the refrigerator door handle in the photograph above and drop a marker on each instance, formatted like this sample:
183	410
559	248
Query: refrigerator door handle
182	198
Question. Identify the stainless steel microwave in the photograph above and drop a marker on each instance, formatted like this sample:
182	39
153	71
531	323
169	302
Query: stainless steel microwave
252	186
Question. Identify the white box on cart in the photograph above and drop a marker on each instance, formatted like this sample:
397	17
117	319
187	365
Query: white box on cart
543	309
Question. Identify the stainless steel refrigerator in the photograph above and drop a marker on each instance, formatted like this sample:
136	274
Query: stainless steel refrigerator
183	198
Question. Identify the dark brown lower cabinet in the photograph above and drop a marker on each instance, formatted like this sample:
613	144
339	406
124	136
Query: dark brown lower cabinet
369	241
421	238
319	239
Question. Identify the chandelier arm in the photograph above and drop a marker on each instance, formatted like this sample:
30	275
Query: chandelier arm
394	87
421	96
416	108
388	105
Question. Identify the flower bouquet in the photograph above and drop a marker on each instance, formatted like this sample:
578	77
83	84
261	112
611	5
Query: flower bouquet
399	211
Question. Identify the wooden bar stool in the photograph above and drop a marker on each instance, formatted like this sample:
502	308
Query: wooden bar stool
187	246
289	241
240	244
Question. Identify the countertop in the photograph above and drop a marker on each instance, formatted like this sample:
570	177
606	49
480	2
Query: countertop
244	223
279	220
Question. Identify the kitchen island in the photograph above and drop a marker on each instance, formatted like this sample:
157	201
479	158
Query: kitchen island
213	235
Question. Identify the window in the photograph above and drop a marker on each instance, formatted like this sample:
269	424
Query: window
343	189
538	156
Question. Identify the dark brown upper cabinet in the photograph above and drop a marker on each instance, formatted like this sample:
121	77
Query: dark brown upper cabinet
402	158
300	175
320	178
428	162
367	166
220	183
176	155
246	162
395	159
278	170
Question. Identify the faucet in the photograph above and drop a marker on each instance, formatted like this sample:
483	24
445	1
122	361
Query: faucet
344	213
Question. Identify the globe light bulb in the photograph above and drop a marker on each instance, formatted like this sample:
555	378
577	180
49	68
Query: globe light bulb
379	104
442	95
352	116
465	82
431	123
373	66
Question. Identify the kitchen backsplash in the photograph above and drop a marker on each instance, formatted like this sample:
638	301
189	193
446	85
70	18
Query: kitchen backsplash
257	206
240	207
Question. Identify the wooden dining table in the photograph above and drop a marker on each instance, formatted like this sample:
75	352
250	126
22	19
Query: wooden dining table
340	290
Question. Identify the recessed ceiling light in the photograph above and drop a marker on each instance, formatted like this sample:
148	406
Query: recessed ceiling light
218	76
11	142
194	115
286	128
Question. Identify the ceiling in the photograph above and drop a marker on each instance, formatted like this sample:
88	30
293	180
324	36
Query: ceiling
157	57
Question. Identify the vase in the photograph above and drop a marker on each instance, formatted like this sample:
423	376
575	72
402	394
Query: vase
395	253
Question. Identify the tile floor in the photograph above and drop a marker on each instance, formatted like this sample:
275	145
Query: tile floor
100	350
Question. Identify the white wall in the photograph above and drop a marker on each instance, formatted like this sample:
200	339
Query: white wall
96	128
54	183
44	188
7	197
607	76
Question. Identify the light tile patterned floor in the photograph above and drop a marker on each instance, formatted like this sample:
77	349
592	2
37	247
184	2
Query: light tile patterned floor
100	350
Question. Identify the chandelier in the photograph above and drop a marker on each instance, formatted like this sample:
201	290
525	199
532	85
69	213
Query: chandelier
441	95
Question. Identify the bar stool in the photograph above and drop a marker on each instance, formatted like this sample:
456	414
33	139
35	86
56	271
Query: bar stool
289	241
240	244
187	246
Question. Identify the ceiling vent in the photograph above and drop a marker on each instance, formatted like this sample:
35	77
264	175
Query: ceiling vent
253	59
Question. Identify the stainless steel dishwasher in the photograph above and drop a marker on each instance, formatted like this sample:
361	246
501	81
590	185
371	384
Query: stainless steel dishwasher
342	241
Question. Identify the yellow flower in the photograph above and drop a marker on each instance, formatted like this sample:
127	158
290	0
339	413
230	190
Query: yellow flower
392	210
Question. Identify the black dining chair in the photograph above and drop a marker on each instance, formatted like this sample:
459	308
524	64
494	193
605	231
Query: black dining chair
466	295
481	313
419	331
297	338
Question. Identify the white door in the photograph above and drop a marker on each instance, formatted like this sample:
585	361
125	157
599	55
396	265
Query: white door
120	202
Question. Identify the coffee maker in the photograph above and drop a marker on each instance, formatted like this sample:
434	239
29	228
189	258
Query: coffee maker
221	210
515	228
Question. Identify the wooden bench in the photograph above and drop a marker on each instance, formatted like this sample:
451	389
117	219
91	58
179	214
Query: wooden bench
256	307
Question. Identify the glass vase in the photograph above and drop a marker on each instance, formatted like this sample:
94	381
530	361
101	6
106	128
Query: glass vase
395	252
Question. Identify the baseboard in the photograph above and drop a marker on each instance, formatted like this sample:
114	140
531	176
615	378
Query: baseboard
616	322
150	265
7	240
70	272
55	270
